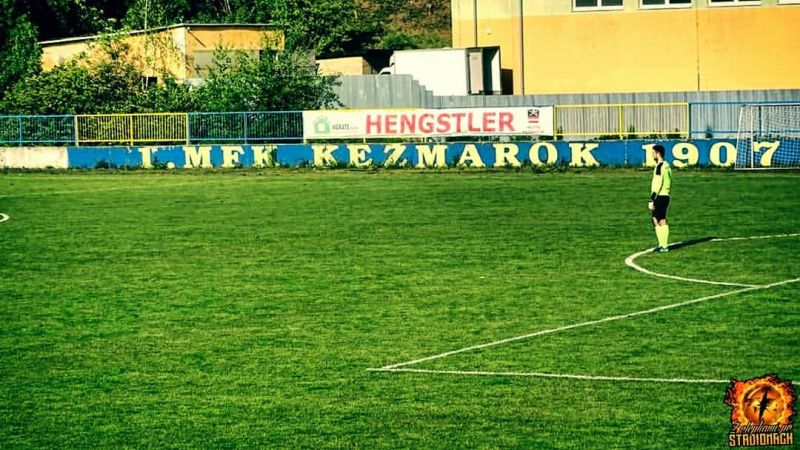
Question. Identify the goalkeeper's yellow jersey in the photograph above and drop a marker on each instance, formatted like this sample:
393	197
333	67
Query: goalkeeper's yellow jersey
662	180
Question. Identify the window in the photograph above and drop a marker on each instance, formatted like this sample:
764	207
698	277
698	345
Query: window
148	81
266	53
733	2
593	5
205	60
655	4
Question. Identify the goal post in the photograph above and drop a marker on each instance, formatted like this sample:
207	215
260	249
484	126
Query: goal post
768	136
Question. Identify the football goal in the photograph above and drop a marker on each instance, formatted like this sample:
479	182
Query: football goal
768	136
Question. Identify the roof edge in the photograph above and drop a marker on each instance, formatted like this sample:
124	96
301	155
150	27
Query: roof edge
265	26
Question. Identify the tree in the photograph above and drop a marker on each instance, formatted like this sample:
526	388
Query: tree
108	83
328	27
155	13
73	89
19	51
278	81
66	18
167	12
415	24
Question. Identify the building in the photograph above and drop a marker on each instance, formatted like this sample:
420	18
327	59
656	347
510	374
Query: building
370	62
599	46
185	51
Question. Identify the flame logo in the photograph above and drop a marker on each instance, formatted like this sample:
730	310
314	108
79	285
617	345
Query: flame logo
765	401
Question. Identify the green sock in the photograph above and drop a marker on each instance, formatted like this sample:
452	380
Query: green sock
658	234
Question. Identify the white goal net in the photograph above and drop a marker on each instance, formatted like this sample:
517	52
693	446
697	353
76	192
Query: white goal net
768	136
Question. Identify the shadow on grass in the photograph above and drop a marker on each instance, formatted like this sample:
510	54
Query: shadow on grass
679	245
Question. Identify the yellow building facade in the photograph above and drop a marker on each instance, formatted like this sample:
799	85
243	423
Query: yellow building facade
598	46
184	51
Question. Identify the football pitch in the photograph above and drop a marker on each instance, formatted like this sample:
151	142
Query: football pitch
411	309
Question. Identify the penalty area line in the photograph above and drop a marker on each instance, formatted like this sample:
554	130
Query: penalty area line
473	373
582	324
769	236
630	262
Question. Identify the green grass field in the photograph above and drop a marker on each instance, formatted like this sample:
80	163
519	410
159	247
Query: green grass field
243	309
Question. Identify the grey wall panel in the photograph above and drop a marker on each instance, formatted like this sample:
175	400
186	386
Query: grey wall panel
402	91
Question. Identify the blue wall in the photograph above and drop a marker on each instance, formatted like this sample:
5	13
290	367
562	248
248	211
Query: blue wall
715	152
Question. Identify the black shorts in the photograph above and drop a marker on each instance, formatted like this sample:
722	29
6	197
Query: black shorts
660	204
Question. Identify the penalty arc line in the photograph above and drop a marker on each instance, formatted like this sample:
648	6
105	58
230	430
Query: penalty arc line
630	261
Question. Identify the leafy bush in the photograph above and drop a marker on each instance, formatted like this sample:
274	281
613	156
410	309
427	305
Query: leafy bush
109	82
278	81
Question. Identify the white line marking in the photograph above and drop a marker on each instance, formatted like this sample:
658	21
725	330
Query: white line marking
630	261
553	375
400	367
769	236
586	324
4	217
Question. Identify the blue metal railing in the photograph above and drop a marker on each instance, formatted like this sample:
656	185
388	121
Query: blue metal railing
24	130
247	127
706	119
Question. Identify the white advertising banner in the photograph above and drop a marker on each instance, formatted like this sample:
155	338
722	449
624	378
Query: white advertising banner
337	124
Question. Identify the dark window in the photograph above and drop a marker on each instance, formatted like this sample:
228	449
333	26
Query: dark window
666	2
149	81
734	2
597	4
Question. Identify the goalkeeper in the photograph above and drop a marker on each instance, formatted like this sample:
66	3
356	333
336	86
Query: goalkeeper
659	198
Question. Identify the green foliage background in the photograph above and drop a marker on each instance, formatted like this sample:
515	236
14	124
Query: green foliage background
278	81
282	81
